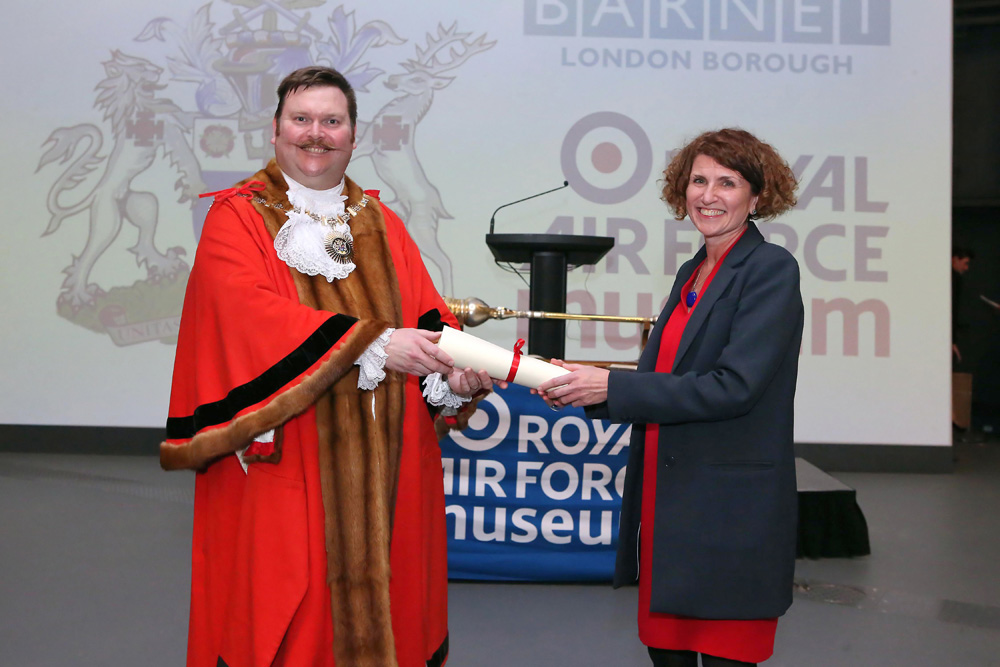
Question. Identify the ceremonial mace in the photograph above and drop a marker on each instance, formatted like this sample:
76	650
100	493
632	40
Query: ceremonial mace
472	312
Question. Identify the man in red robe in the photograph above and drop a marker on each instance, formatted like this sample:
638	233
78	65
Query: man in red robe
305	354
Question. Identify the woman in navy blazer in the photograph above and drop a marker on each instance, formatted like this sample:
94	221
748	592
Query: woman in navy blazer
711	470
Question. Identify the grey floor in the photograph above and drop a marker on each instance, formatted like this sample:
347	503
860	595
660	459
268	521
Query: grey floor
94	571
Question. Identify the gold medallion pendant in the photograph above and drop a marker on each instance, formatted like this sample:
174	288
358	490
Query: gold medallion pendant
340	247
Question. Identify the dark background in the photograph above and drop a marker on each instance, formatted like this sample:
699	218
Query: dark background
976	196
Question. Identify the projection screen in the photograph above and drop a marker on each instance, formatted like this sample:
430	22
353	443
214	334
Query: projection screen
118	115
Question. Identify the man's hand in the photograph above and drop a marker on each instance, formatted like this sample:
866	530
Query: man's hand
584	385
468	382
414	351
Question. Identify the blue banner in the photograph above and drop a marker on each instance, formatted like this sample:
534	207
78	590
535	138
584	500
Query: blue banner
533	494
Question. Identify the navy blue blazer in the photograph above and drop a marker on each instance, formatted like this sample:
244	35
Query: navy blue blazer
726	505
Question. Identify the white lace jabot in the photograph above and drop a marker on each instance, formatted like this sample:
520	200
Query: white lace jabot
299	242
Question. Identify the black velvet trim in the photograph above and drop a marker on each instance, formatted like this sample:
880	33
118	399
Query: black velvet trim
431	320
440	655
284	371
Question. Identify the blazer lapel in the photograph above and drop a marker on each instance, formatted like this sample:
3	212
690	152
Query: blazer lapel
647	360
723	276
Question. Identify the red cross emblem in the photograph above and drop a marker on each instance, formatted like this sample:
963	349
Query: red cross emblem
143	129
391	134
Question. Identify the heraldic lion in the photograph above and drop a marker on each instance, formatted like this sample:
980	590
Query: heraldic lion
141	125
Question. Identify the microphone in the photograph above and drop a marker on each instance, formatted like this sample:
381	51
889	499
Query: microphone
493	217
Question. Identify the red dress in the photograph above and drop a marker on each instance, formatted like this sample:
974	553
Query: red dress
743	640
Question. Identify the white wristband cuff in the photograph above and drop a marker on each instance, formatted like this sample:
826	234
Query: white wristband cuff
437	391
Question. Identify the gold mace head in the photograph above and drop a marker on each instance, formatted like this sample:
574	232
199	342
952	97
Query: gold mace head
469	312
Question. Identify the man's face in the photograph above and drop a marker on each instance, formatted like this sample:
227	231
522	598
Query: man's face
960	265
313	139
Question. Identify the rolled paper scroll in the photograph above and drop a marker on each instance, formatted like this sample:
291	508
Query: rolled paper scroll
469	351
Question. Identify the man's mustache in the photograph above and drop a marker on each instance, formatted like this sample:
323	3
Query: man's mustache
317	144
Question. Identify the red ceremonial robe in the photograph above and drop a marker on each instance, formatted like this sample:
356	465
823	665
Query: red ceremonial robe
251	357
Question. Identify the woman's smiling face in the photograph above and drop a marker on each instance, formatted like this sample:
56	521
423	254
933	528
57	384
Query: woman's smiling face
719	201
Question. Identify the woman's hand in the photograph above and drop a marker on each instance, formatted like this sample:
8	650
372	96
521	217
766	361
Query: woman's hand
584	385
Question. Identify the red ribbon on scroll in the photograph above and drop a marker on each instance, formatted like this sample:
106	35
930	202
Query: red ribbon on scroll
246	190
516	361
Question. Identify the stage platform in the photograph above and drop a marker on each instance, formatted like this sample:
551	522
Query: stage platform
831	524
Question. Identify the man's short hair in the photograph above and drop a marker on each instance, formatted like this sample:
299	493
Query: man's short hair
309	77
958	252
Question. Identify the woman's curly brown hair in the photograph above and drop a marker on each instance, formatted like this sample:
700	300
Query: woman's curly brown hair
770	177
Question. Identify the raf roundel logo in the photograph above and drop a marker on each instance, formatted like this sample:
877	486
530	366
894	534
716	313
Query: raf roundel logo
606	157
488	426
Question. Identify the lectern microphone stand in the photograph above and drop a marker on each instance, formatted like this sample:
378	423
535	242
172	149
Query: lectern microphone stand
550	255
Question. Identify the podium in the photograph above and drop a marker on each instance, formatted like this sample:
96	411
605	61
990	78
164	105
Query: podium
550	256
